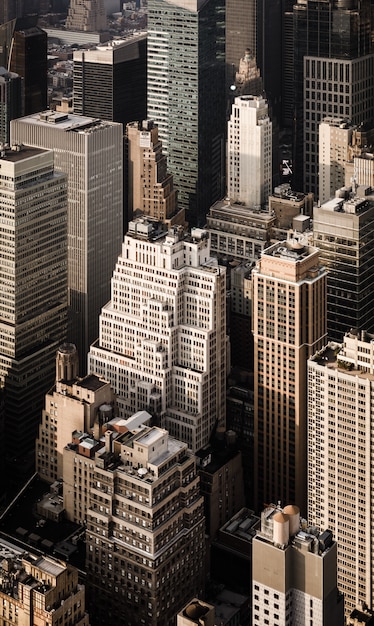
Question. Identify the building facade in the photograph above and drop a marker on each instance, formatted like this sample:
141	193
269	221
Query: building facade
150	186
186	97
340	467
343	230
90	151
335	137
145	530
162	342
249	153
11	101
72	404
86	15
289	325
333	75
33	297
39	590
294	572
120	68
28	59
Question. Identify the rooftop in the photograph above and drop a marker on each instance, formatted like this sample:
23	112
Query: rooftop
65	121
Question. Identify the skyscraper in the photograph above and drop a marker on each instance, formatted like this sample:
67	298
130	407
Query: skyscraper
340	458
241	33
150	186
90	151
333	74
145	526
11	101
343	230
289	325
86	15
33	297
120	68
249	151
294	572
28	58
186	97
162	342
335	136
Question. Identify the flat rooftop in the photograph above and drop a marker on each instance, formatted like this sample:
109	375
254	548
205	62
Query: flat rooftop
24	152
64	121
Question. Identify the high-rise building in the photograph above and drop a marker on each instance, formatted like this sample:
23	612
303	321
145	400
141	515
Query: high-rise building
294	572
72	404
343	230
28	58
120	68
241	33
150	186
335	137
340	457
333	75
86	15
33	297
90	151
10	10
11	101
186	97
162	342
145	530
38	589
249	152
289	325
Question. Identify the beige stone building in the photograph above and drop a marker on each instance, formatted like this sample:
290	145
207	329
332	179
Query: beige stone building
150	186
289	325
39	590
145	529
73	404
294	572
86	15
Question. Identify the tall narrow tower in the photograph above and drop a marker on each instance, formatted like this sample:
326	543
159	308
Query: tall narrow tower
186	96
289	325
90	151
33	297
249	152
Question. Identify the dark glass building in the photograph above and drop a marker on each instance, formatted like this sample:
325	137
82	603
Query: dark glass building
187	97
11	101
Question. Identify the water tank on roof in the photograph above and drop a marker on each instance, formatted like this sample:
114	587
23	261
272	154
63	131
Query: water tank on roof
105	413
293	513
281	528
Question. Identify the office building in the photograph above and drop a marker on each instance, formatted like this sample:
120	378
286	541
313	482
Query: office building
289	325
241	34
340	466
28	58
247	79
145	553
162	341
90	151
33	297
335	138
86	16
120	68
150	186
237	232
287	204
333	75
38	589
249	152
73	404
186	97
11	101
343	230
294	572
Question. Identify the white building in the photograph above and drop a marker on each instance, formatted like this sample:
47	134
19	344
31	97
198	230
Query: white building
90	152
340	458
335	136
249	152
162	341
294	572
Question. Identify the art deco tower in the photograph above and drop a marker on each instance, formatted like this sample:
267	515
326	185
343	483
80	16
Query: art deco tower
289	325
162	342
186	97
86	15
